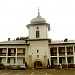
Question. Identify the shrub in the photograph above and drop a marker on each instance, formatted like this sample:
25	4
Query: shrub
8	67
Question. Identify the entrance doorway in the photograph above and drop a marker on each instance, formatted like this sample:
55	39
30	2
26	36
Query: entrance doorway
38	65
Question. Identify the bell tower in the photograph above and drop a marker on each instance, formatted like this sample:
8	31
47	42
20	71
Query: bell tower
38	28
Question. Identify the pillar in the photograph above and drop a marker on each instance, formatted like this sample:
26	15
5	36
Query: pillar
16	56
57	56
30	61
6	56
45	61
66	55
74	56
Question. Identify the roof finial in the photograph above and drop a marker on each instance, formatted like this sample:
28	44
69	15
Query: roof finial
38	12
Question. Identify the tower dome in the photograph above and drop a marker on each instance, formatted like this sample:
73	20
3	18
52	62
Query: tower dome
38	19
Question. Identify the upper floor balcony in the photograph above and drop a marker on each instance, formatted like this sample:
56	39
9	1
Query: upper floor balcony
53	51
62	54
69	50
61	51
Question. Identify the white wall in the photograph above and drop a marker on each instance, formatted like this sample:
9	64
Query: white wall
42	46
43	31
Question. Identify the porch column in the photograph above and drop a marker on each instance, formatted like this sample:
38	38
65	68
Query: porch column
30	61
73	55
57	56
16	56
45	61
50	56
66	55
6	56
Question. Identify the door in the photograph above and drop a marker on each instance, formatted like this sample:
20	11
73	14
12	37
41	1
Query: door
37	65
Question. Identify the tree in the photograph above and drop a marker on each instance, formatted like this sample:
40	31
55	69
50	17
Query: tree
21	38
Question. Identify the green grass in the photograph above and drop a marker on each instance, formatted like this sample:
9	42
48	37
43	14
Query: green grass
41	72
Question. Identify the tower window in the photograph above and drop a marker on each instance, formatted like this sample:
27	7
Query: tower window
37	28
37	51
37	34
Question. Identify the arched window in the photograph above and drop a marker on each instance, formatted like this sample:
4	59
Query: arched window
37	34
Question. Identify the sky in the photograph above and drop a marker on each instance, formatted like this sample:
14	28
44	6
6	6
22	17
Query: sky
16	14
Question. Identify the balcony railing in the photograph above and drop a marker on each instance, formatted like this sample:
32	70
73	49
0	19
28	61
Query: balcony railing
69	53
11	54
2	54
62	53
20	54
54	54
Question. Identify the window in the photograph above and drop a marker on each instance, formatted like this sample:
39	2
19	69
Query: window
37	56
0	51
37	27
23	51
8	61
68	50
37	51
60	60
37	34
14	61
15	50
0	60
9	52
59	51
69	60
51	52
23	60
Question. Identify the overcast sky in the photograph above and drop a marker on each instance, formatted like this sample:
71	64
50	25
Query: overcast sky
16	14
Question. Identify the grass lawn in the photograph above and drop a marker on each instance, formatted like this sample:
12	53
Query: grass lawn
61	71
39	72
55	71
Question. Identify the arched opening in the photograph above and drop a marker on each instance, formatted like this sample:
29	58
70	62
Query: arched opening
38	65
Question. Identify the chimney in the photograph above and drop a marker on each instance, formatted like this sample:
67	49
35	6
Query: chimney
8	39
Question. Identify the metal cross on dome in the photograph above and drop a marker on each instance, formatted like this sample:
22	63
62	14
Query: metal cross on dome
38	12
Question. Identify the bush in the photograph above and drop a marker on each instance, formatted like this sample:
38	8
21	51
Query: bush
2	66
8	67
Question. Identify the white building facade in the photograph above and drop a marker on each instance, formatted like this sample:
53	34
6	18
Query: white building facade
38	51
